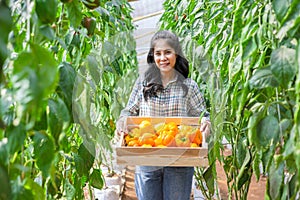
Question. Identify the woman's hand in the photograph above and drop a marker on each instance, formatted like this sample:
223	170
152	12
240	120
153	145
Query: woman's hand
205	127
121	125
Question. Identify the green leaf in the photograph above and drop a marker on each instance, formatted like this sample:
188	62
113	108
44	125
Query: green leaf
67	76
290	144
244	178
37	190
6	23
297	156
256	164
241	152
69	190
209	179
94	68
84	160
283	65
252	124
5	189
48	32
280	8
4	156
243	175
275	180
267	131
34	78
290	23
292	185
58	117
44	152
263	78
16	137
74	9
19	192
249	48
46	10
96	179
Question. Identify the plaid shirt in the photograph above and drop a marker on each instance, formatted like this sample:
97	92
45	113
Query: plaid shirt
170	102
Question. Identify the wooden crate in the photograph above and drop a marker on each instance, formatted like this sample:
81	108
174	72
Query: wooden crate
167	156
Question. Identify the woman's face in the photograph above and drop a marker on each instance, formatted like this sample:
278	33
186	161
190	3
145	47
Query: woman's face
164	56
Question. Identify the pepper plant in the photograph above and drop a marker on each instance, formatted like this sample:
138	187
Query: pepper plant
60	62
245	55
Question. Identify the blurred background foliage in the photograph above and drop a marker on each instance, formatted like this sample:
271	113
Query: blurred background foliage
245	55
63	65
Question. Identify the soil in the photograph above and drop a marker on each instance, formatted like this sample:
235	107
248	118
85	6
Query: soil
256	190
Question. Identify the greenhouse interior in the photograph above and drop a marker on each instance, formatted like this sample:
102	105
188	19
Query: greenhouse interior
81	117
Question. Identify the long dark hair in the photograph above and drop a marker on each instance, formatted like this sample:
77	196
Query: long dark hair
152	81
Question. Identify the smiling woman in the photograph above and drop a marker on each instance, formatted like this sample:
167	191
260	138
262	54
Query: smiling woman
165	91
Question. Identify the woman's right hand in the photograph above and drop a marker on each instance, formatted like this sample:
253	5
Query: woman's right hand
121	125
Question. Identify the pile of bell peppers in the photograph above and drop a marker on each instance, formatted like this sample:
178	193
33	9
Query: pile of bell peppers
164	135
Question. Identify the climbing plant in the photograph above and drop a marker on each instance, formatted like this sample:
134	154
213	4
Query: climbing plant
62	68
245	56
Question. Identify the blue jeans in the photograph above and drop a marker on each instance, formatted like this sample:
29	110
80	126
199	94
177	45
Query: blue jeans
163	183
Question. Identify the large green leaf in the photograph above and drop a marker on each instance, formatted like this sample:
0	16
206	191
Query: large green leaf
209	179
267	131
67	76
5	189
291	21
242	152
19	192
249	48
96	179
16	137
94	68
84	160
74	9
292	185
46	10
275	180
34	78
4	156
47	31
283	65
263	78
36	189
256	164
280	8
252	124
44	152
5	27
59	117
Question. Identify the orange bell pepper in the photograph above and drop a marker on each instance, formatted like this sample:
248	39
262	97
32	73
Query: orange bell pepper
168	140
147	138
133	143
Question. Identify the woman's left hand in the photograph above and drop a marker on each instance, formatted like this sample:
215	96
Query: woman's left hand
205	127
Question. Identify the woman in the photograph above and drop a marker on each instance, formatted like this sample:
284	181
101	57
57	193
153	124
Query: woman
165	90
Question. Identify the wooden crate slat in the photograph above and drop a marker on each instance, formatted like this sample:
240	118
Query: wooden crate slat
188	152
162	161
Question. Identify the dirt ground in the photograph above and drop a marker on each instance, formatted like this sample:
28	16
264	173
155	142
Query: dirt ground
256	191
